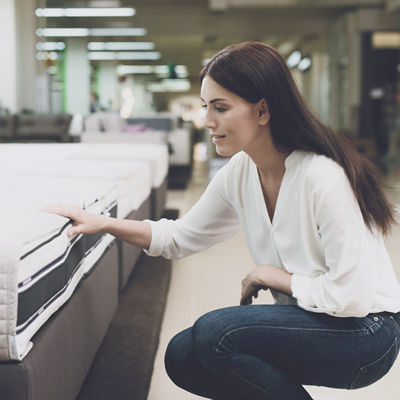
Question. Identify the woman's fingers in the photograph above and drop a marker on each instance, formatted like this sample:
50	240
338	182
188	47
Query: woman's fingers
73	231
246	297
53	208
71	212
82	220
246	301
65	211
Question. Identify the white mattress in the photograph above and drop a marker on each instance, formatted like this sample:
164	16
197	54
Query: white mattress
40	266
131	177
143	137
156	155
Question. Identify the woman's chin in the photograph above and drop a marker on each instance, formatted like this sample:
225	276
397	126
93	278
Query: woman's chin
224	152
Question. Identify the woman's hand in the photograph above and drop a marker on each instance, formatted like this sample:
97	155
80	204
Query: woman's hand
251	285
83	221
264	277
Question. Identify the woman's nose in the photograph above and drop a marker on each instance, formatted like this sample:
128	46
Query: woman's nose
208	122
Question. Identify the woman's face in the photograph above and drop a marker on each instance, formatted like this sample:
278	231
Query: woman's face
233	122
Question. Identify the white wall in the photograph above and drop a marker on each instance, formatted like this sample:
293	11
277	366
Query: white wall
8	64
18	64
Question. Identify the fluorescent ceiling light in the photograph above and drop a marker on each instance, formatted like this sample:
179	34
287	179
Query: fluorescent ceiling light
73	32
377	93
386	40
63	32
127	55
100	46
304	64
294	59
135	69
50	46
164	69
161	70
97	55
85	12
118	32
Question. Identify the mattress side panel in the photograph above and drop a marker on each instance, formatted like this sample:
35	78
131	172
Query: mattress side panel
8	300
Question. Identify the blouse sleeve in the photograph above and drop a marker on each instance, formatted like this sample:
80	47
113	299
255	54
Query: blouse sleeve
345	285
211	220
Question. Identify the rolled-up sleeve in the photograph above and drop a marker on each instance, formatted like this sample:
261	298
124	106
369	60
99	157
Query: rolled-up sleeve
346	284
211	220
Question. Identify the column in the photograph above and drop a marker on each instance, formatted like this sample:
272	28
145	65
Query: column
26	54
107	85
77	76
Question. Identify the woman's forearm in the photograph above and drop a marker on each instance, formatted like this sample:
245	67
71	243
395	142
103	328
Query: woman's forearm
274	278
137	233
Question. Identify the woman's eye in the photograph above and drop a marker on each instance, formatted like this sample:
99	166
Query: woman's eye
216	108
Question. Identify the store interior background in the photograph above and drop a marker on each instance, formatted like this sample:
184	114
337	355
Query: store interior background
347	60
344	56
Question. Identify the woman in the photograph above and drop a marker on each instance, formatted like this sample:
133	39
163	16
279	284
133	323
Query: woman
313	215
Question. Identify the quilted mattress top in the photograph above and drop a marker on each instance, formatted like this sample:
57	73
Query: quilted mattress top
131	177
155	155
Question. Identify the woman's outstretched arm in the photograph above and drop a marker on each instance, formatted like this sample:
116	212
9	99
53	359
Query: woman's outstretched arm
137	233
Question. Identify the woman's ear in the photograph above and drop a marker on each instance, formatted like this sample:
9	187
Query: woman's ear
263	113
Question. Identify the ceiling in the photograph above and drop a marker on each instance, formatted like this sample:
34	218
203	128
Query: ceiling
187	31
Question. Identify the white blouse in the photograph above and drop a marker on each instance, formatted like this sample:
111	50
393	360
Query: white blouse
317	234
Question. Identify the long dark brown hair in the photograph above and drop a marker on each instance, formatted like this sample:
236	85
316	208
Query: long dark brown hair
256	71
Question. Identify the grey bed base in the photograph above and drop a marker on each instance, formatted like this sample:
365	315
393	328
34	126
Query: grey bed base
158	200
152	208
64	348
128	254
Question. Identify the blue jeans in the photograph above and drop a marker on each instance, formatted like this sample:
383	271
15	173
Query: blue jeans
269	351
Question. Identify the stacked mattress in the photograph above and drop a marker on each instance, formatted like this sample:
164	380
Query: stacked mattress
154	155
146	137
40	266
58	294
132	179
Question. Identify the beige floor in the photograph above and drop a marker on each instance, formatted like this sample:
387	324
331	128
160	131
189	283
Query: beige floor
212	279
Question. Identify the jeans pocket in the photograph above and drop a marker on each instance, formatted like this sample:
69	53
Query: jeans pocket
373	372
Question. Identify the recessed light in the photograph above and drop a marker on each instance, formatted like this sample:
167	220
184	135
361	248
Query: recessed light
85	12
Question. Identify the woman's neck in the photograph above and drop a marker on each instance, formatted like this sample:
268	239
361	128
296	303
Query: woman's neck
269	161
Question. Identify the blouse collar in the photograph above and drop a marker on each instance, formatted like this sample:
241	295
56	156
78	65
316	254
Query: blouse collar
293	158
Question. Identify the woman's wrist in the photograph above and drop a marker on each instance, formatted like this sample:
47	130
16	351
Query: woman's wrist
261	277
105	223
274	278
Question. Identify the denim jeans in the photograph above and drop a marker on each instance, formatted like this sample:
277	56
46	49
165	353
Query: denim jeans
269	351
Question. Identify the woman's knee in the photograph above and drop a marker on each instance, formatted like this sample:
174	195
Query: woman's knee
177	354
207	333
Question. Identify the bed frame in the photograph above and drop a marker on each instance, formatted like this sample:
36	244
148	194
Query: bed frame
64	348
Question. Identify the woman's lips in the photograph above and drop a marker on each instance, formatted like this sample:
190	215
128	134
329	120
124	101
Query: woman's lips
217	138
